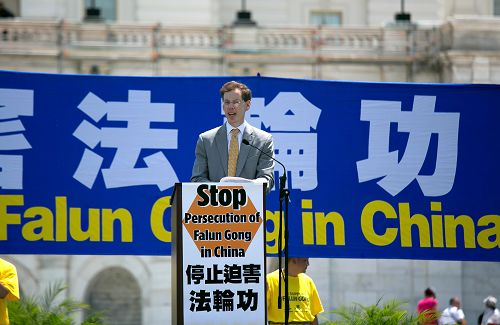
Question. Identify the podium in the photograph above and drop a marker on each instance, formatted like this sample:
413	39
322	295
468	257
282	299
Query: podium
218	254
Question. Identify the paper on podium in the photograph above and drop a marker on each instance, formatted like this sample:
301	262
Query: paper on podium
234	179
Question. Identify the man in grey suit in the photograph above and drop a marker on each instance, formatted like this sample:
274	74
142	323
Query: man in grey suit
213	146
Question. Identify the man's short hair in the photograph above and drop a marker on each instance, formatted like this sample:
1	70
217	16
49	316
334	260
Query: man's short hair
246	93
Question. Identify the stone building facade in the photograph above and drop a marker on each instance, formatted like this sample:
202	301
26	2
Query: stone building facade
452	41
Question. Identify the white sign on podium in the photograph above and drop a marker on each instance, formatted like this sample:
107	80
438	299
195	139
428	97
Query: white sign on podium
220	244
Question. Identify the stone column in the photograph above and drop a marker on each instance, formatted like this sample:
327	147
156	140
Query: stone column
53	269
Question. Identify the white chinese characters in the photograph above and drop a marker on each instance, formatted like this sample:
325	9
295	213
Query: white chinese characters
129	141
420	124
14	103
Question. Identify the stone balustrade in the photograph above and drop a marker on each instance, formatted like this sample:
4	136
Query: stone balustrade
59	35
189	37
29	37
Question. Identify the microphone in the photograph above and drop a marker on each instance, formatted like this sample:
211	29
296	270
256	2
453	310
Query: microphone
283	196
282	178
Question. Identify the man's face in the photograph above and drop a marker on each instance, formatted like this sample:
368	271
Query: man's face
234	107
302	264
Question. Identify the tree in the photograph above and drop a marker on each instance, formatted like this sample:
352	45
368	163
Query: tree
46	310
388	313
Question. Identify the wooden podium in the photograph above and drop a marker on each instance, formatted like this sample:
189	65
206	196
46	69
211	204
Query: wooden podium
218	254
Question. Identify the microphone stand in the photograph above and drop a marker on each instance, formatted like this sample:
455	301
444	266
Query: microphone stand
284	196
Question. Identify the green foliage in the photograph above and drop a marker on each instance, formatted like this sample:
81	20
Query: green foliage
45	309
387	313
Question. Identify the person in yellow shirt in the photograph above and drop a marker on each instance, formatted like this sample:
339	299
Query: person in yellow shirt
303	296
9	288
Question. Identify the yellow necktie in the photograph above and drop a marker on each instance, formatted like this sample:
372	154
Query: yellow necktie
233	153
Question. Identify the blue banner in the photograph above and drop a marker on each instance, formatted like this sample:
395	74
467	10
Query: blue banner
375	170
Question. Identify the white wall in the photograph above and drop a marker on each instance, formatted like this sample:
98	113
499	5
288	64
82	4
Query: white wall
264	12
52	9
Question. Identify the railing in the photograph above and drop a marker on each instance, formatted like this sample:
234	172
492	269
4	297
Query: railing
189	37
29	37
346	40
18	35
286	39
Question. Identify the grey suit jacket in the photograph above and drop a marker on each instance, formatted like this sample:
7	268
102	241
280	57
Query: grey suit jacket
212	154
